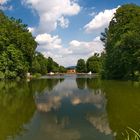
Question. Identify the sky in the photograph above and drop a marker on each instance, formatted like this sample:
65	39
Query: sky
65	30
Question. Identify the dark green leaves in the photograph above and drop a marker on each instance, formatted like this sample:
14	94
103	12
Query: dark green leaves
122	42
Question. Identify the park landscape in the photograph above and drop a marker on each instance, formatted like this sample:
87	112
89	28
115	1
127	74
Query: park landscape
87	91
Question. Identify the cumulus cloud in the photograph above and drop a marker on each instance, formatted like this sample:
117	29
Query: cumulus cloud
100	123
31	29
86	48
3	1
63	22
52	46
92	14
48	41
3	5
101	20
53	13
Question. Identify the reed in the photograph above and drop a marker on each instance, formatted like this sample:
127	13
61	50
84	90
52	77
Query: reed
131	134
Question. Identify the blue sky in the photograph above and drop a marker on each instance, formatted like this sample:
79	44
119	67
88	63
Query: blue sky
66	30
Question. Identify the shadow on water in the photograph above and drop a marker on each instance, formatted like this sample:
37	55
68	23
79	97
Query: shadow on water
71	108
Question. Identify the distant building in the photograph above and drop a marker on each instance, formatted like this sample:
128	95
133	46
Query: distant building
71	71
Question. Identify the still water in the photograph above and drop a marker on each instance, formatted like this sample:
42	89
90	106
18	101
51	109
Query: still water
68	108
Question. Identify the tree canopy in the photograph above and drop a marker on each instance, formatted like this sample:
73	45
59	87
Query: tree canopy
94	64
17	47
81	66
18	51
122	44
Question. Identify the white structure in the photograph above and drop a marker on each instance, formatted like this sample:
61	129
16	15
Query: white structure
90	72
51	73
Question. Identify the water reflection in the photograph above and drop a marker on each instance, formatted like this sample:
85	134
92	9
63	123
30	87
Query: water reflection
123	105
71	108
16	109
81	83
42	85
49	100
100	122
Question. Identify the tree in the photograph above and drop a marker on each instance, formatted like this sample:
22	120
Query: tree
62	69
17	47
39	64
122	42
81	66
52	66
55	67
94	64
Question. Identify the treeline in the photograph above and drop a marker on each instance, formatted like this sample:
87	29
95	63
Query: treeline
93	64
18	51
43	65
121	39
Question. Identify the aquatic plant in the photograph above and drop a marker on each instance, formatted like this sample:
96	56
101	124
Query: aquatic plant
131	134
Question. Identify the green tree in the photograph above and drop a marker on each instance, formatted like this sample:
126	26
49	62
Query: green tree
81	66
52	65
39	64
62	69
17	47
94	64
122	44
55	67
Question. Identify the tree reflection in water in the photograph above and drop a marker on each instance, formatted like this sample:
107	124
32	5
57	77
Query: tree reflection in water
82	108
16	108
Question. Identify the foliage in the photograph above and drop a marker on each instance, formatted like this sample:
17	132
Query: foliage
52	65
133	135
45	65
39	64
81	66
1	75
17	51
62	69
17	47
122	44
94	64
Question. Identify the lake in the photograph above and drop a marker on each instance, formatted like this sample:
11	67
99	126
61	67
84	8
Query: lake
68	107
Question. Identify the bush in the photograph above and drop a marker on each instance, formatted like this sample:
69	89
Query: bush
10	75
1	75
36	75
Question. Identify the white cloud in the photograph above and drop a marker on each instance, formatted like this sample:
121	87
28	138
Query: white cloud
100	123
49	41
63	22
3	1
31	29
86	49
4	8
3	5
52	46
101	20
53	12
92	14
